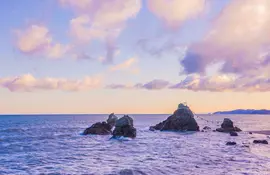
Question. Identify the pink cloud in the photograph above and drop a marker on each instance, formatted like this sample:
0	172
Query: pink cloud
175	12
36	39
103	20
128	65
28	83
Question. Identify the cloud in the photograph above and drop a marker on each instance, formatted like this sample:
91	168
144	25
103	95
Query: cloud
239	38
156	84
28	83
223	83
36	39
175	12
128	65
103	20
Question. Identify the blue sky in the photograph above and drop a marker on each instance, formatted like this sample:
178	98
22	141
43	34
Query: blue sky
47	74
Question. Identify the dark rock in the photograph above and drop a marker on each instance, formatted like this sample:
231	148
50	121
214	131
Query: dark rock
227	126
233	133
112	120
99	129
124	127
202	130
181	120
207	128
250	132
260	142
231	143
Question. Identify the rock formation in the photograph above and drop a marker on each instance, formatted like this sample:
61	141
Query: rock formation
227	126
102	128
112	119
181	120
260	142
124	127
99	129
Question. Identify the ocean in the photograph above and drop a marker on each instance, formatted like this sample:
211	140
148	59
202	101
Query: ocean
53	144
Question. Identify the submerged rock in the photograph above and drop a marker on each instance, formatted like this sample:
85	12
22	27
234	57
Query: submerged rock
260	142
99	129
124	127
181	120
112	120
227	126
233	133
206	128
231	143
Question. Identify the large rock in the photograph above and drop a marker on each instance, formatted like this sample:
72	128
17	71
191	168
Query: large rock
124	127
112	120
227	126
99	129
181	120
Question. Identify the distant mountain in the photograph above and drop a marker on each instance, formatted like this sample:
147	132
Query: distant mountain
244	111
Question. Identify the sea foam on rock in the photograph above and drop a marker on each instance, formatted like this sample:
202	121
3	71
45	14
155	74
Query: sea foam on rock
181	120
227	126
102	128
124	127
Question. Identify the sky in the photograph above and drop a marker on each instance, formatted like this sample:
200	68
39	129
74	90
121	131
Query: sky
133	56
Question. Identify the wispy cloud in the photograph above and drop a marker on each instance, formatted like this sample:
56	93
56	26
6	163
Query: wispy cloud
128	65
28	83
103	20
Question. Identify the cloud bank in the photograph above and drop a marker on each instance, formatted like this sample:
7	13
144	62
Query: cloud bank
28	83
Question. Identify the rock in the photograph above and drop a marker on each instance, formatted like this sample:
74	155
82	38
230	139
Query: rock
99	129
126	120
227	126
112	120
260	142
233	133
207	128
181	120
231	143
250	132
124	127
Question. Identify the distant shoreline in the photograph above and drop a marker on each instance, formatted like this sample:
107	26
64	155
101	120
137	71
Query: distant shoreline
245	111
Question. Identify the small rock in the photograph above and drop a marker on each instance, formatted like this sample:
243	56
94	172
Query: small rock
260	142
227	126
231	143
233	133
206	128
202	130
99	129
124	127
250	132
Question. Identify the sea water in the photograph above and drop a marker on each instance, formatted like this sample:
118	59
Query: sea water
53	144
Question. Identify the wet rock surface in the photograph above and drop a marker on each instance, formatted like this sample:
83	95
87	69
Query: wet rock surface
260	141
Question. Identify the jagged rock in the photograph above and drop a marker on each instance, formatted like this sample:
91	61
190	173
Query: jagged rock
260	142
231	143
233	133
112	120
227	126
99	129
124	127
181	120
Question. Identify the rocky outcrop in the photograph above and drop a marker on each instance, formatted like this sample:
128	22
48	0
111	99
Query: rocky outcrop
260	142
227	126
102	128
181	120
112	120
231	143
124	127
99	128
